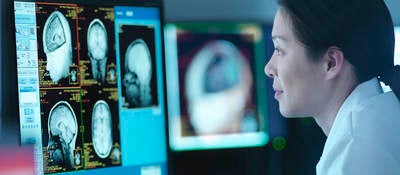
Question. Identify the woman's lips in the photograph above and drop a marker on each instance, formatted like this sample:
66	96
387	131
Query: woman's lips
278	93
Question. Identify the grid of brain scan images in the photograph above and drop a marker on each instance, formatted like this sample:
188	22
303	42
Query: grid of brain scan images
79	104
86	74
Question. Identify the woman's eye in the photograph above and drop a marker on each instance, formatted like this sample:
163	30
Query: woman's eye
277	51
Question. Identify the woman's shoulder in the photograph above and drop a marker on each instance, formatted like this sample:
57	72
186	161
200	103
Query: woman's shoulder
378	119
382	104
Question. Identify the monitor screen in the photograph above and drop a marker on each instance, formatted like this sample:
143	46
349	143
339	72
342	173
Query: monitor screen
396	54
215	85
90	86
397	45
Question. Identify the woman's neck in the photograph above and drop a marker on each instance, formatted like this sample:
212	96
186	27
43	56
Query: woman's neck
341	89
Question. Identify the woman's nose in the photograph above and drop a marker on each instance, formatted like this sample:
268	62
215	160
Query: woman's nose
268	70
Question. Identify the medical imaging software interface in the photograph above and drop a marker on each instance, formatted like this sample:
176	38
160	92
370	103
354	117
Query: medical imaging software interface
212	70
90	87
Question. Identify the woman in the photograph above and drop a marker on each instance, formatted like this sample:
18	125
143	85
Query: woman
329	58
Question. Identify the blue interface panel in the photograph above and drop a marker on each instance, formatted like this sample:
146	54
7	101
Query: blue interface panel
90	87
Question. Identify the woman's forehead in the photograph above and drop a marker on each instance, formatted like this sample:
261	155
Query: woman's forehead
281	30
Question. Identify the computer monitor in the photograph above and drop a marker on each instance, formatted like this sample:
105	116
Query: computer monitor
396	54
90	85
397	45
215	85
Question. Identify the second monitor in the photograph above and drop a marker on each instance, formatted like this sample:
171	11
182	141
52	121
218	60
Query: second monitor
214	78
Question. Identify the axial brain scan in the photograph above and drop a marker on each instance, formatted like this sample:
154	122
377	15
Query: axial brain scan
217	83
57	46
63	130
137	76
102	129
97	49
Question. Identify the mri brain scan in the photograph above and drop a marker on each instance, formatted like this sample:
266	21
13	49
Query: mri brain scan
217	83
102	129
57	46
73	75
97	49
63	130
137	76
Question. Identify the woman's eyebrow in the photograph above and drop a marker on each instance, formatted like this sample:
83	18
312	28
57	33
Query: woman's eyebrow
278	37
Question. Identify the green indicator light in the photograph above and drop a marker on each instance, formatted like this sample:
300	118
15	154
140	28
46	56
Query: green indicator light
279	143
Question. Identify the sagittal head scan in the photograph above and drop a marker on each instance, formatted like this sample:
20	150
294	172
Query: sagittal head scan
102	129
217	82
137	76
57	46
63	130
97	49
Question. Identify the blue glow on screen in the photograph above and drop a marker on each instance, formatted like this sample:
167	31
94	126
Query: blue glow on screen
144	141
141	129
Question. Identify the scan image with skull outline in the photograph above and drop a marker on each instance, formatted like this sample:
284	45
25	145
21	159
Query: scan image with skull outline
61	132
101	125
63	129
97	49
138	76
57	50
217	84
102	129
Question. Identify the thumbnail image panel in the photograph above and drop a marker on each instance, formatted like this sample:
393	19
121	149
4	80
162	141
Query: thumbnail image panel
57	44
102	146
137	65
216	83
97	46
62	136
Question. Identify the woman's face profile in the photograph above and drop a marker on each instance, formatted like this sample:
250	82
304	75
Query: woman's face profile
297	79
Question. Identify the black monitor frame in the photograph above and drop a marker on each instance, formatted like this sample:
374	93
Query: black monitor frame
9	110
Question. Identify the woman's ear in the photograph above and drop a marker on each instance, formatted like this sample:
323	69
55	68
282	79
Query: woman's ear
333	61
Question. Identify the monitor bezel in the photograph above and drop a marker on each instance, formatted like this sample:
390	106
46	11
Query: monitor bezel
222	27
10	109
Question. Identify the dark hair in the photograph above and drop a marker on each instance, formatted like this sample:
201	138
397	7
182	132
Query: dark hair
362	29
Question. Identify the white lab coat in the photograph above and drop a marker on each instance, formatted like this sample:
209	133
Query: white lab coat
365	137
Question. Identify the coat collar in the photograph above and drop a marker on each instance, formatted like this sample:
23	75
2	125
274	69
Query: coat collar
342	126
